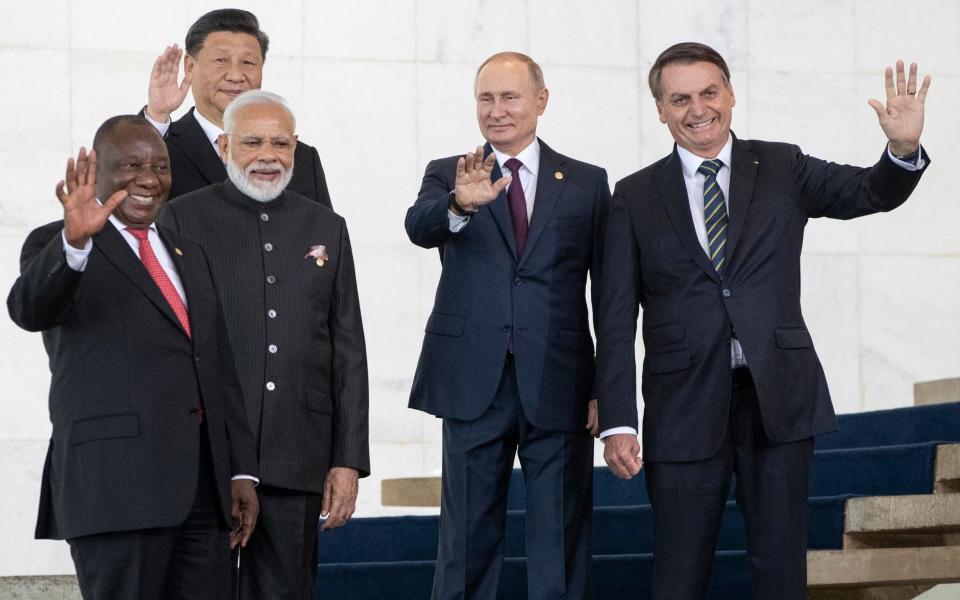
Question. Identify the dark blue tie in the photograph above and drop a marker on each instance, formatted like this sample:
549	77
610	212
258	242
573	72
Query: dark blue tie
714	212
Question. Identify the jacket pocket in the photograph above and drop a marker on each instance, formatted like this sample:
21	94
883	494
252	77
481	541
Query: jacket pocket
444	324
104	428
664	335
668	362
793	338
319	401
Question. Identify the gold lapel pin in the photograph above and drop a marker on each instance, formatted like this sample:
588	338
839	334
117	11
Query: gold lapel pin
178	251
320	262
558	175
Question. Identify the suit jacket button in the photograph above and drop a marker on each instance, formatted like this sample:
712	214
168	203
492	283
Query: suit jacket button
264	217
196	359
271	279
271	386
507	328
726	293
517	280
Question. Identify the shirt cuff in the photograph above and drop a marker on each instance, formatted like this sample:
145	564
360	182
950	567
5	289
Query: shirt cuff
160	127
456	221
916	165
76	259
250	477
617	430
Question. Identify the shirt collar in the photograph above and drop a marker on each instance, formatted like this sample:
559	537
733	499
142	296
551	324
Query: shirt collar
691	162
212	131
529	156
121	227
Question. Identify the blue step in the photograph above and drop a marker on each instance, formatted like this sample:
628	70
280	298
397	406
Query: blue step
897	426
622	576
616	530
884	470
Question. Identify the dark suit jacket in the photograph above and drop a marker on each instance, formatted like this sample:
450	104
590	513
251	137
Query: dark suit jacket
315	416
487	293
125	386
195	164
690	313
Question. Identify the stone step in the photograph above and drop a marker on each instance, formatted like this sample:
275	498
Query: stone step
882	568
946	477
940	391
902	521
46	587
410	491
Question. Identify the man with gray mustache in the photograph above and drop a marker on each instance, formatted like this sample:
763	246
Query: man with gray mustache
285	270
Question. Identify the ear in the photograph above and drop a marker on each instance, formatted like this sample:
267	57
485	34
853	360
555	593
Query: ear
189	63
663	117
542	98
224	144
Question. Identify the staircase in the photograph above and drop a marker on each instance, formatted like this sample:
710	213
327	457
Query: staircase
876	531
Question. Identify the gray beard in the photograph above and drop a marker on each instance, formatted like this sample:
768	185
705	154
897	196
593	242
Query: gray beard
261	191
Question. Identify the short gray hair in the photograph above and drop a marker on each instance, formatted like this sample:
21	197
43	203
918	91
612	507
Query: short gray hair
252	98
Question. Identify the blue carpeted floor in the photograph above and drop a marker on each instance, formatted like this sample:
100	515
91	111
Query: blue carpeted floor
877	453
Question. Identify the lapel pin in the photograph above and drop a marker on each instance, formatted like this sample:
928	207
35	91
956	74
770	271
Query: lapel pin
318	252
178	251
558	175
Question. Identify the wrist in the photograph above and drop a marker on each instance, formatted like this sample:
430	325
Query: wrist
901	149
458	209
156	115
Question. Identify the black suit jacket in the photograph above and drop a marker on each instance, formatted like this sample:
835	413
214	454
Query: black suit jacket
690	313
125	386
195	164
303	370
487	293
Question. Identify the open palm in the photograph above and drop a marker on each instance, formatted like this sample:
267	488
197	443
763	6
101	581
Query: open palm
902	117
83	215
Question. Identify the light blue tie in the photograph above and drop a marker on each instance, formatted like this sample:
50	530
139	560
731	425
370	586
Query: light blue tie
714	213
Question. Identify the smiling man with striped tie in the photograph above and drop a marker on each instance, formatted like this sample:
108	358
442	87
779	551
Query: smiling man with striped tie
708	243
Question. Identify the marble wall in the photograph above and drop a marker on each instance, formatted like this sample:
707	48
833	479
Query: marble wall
381	87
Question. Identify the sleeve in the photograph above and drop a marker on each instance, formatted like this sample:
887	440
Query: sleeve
349	385
428	221
616	320
600	211
323	194
41	296
837	191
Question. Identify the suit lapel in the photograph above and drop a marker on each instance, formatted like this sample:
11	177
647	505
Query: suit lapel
115	248
187	135
673	194
547	195
743	174
499	208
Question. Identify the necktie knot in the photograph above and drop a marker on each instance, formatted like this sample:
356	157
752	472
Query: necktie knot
710	168
140	234
514	166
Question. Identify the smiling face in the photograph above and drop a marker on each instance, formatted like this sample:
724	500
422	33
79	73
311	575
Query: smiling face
134	158
696	103
259	150
508	105
227	65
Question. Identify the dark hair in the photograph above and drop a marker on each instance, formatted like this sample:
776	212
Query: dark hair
686	53
233	20
107	129
536	74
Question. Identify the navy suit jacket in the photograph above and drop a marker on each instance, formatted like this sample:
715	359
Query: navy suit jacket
195	164
690	313
125	387
487	293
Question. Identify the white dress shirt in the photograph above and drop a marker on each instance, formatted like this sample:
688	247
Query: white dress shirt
530	158
212	131
690	162
77	260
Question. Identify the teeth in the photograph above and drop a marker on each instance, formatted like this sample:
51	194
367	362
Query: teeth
699	125
144	200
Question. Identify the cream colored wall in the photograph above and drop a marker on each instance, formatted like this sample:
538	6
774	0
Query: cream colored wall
381	87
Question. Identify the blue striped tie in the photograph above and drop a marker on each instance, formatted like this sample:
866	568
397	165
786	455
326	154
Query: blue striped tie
714	212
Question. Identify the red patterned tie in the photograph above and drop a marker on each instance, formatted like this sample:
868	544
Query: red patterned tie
149	260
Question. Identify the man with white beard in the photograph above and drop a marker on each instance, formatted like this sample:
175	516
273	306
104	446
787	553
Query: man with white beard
285	272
